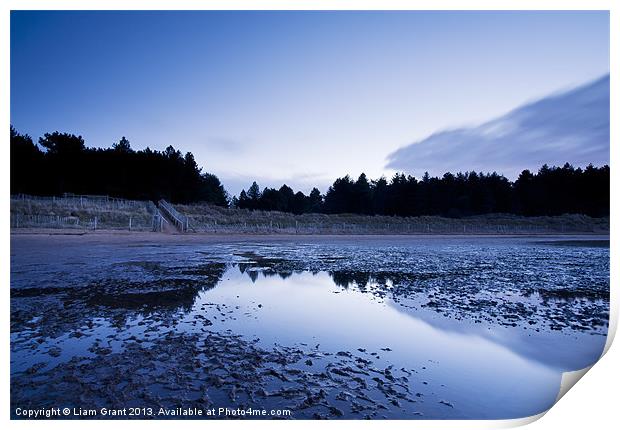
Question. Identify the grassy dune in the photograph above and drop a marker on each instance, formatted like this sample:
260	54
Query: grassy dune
115	214
81	213
208	218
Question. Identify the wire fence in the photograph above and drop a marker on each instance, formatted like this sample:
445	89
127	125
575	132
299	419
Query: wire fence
85	212
214	219
452	227
128	223
77	200
103	212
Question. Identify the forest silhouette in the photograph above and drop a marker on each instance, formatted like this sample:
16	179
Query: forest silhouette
68	166
61	163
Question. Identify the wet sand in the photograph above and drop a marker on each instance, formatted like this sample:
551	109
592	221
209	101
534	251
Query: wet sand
118	236
326	326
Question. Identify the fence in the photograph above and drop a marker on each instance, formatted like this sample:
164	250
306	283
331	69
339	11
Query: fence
414	226
103	212
92	223
86	212
68	199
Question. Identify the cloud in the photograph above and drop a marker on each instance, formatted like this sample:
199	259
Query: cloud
572	126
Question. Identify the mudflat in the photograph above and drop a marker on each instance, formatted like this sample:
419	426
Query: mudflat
415	326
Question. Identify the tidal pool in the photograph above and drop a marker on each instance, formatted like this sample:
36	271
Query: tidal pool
430	328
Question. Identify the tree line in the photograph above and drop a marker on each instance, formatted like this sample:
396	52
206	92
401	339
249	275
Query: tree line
66	165
550	191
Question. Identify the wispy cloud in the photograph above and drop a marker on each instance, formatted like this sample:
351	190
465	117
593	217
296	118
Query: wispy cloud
572	126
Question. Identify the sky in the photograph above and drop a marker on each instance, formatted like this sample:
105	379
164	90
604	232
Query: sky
568	127
296	97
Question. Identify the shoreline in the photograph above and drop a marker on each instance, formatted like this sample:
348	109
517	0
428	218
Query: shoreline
155	237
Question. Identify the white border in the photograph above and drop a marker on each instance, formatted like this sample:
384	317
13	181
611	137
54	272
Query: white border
592	404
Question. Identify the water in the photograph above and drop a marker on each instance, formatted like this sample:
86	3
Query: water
403	328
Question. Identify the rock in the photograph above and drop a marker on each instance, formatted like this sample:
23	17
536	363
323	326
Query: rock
335	411
443	402
54	351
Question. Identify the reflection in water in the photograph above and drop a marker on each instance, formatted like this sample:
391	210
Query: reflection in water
346	279
156	295
563	351
470	333
464	370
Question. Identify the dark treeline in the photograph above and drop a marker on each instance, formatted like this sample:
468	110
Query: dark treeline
283	200
66	165
550	191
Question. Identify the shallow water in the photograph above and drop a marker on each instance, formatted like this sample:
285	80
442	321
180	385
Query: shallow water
421	328
465	369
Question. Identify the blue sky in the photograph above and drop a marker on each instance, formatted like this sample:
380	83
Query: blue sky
295	97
